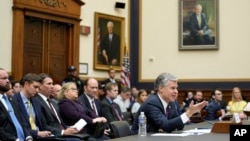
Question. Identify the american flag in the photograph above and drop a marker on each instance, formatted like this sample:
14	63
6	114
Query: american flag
125	72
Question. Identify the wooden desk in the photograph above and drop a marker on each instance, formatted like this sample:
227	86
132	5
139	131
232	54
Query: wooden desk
204	137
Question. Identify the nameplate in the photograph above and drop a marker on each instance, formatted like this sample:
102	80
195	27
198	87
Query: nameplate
239	132
223	126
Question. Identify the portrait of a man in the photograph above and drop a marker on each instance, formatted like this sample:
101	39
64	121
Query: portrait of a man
109	32
110	47
199	24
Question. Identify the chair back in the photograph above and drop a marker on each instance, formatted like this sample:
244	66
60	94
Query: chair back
120	129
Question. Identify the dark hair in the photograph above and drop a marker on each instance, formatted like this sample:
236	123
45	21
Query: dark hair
13	82
43	76
213	91
30	78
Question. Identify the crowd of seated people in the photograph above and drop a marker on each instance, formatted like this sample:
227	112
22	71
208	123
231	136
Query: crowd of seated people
44	110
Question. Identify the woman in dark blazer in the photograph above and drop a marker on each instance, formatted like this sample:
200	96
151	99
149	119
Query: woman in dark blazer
72	110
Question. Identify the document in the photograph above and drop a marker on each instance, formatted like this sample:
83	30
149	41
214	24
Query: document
198	131
171	134
79	124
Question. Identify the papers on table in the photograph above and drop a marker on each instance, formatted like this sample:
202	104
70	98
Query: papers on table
196	131
170	134
79	124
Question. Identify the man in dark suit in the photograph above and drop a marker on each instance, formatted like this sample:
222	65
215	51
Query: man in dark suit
160	108
199	28
110	46
111	78
92	105
214	107
111	111
50	109
30	107
8	127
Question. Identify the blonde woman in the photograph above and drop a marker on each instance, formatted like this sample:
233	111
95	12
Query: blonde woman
237	104
72	110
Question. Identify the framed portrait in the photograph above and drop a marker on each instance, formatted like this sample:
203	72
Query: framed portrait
198	25
108	42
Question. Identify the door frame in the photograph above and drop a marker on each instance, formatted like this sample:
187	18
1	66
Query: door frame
66	11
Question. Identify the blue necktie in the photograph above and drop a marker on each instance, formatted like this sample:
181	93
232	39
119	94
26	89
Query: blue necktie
19	129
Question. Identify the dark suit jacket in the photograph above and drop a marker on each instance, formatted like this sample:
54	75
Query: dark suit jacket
7	128
112	48
72	111
39	118
211	109
89	112
108	111
156	118
194	26
50	118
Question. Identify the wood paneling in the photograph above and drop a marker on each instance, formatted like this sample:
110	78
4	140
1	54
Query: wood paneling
39	51
227	94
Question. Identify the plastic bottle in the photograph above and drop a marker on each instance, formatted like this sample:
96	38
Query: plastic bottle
142	122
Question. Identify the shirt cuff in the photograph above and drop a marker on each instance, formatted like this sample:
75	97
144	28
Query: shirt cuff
184	118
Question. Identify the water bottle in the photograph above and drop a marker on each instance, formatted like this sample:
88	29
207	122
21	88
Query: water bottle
142	121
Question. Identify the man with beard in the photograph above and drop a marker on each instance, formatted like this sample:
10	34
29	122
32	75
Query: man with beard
10	125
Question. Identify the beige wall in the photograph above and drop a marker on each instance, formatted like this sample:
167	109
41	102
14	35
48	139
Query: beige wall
159	40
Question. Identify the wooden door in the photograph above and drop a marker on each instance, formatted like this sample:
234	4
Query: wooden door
45	47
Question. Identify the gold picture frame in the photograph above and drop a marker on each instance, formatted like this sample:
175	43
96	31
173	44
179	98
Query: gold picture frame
108	54
199	32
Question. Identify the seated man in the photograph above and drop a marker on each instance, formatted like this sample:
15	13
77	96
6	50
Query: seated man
160	108
111	111
10	126
215	106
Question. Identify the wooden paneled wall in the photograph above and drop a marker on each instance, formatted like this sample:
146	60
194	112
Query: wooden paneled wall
227	94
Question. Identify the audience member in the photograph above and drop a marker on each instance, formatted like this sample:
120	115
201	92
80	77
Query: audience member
237	104
11	128
10	93
123	99
198	97
50	109
141	98
93	107
111	78
214	109
101	91
56	90
16	86
111	111
160	109
72	110
73	77
188	99
31	108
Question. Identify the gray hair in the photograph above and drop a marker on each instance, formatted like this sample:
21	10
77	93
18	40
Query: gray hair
162	79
